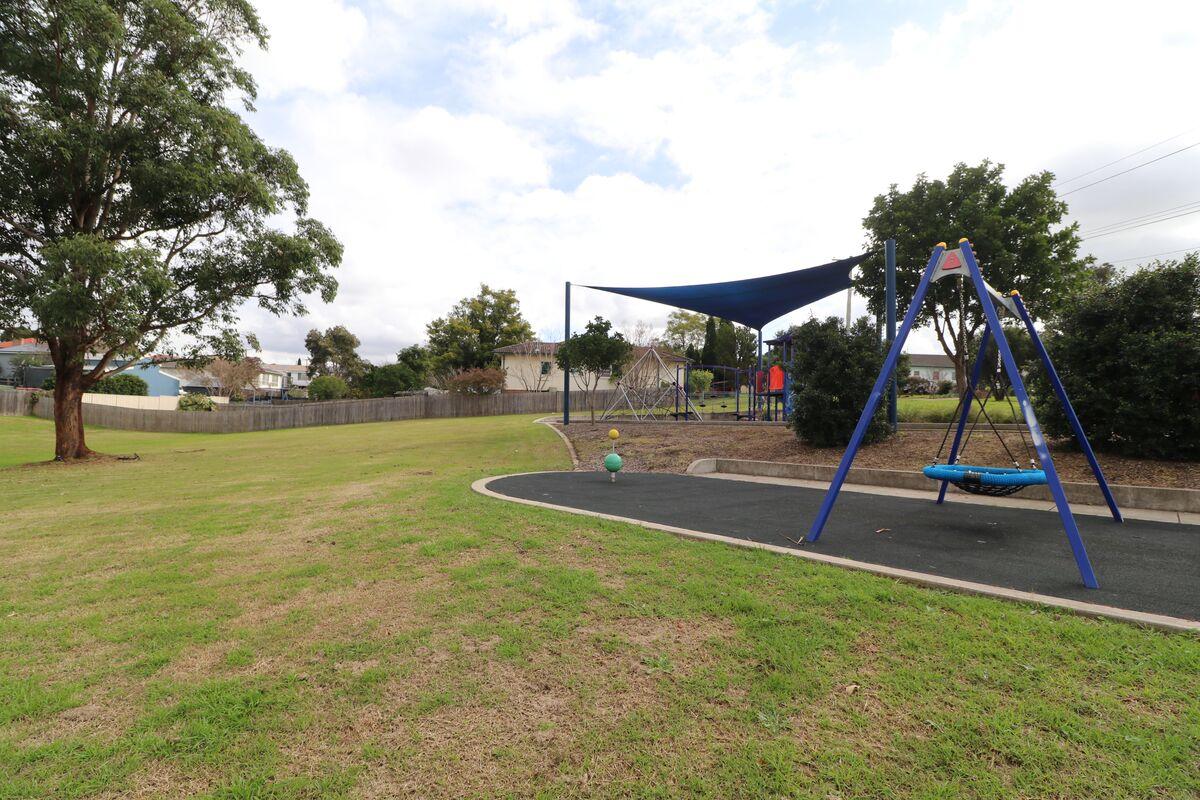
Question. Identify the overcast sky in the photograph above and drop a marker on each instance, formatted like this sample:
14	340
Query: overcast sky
522	144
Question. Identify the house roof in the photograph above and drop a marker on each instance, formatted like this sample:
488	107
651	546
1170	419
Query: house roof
930	360
286	368
24	346
536	348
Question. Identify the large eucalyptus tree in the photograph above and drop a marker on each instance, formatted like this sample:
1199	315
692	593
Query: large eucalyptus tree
134	201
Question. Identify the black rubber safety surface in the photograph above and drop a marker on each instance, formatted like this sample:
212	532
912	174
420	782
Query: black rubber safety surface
1143	566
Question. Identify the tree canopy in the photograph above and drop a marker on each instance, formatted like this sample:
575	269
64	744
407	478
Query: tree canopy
590	354
1017	233
468	336
334	351
134	202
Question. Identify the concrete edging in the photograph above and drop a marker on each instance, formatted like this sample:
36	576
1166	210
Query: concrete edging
1153	498
1096	610
548	422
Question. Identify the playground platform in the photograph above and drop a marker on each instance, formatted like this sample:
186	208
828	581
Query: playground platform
1149	571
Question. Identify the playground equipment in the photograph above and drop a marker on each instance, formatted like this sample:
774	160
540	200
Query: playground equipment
649	388
752	302
960	262
612	461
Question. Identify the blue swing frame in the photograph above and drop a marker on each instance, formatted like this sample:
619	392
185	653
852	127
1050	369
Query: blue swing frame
992	328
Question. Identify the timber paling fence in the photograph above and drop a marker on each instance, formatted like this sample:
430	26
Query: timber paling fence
335	412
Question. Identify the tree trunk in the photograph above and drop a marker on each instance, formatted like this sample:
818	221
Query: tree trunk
68	415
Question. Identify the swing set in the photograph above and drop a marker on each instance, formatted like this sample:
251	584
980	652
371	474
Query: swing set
983	480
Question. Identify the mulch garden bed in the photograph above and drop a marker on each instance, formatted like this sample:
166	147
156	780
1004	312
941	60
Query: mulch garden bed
671	447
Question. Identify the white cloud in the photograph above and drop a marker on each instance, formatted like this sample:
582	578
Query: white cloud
781	145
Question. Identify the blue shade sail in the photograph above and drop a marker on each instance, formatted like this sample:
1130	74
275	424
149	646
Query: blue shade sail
753	302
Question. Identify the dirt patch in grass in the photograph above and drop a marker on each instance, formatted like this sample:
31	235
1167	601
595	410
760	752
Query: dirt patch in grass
671	447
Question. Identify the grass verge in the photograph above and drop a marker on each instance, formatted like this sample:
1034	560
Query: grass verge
331	612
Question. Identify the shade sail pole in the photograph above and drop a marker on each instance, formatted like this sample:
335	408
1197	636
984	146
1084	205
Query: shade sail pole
754	383
566	371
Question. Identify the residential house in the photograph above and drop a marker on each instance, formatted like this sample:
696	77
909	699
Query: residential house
932	367
530	367
16	355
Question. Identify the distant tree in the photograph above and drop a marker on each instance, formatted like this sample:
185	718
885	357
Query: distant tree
833	371
746	340
477	381
708	351
134	201
469	335
416	358
328	387
692	354
699	381
725	344
1128	354
588	354
641	334
389	380
234	377
685	329
1018	235
334	352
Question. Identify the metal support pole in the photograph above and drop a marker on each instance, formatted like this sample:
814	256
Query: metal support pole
1035	430
966	406
566	371
889	365
889	264
1061	392
754	391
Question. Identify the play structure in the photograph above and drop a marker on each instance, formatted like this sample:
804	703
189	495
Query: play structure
612	461
990	480
651	390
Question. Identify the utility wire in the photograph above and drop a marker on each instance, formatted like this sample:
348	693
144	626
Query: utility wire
1131	169
1155	255
1123	222
1119	160
1141	224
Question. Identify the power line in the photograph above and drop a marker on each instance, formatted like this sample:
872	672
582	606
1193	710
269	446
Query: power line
1141	225
1131	169
1123	222
1119	160
1156	255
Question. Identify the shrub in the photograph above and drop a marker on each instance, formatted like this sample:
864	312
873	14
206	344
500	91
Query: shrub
479	381
699	381
832	375
328	387
1128	354
122	383
915	384
945	387
193	401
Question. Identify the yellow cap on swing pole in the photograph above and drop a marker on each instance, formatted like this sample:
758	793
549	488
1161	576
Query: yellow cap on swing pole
940	244
963	239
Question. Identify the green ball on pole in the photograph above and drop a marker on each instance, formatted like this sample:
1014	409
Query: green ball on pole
612	462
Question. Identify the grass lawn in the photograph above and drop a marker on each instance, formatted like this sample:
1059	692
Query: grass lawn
331	612
927	408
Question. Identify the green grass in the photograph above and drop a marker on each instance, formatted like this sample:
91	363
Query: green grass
331	612
925	408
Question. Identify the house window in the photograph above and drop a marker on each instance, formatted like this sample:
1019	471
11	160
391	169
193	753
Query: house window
545	367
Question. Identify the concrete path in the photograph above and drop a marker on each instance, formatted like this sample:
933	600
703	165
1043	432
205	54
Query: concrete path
1143	566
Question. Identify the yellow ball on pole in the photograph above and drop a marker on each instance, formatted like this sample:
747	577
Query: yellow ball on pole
614	434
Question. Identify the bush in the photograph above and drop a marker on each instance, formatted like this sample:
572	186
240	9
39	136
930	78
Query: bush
915	384
193	401
122	383
390	380
945	387
483	381
328	387
832	375
699	381
1128	354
